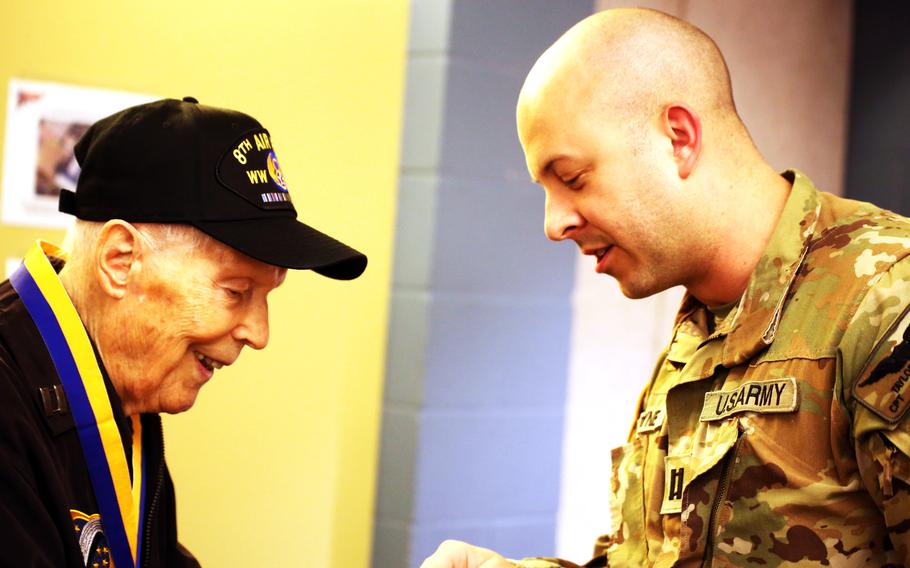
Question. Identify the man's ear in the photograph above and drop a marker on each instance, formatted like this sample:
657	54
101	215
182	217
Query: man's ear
117	256
683	126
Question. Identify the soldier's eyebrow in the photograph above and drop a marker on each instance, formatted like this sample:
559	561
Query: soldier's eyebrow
548	167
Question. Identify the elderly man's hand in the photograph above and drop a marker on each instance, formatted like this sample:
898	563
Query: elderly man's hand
456	554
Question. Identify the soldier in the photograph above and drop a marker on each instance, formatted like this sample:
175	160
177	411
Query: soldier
774	429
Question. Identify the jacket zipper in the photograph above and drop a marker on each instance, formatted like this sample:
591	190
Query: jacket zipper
159	479
723	485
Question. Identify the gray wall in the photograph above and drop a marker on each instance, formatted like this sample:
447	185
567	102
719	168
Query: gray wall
480	319
878	164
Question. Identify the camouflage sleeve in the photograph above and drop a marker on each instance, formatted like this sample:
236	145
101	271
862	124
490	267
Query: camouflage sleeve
875	388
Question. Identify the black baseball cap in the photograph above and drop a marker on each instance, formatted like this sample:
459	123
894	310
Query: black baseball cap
215	169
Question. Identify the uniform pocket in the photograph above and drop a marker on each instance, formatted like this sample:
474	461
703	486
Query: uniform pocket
627	546
779	507
707	479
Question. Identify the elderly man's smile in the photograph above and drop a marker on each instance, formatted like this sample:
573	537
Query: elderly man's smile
207	362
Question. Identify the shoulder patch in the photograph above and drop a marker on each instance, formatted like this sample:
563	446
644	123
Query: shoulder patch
883	385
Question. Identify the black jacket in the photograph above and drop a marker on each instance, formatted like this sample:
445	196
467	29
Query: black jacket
43	476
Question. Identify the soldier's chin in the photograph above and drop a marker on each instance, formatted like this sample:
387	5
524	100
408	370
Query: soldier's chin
635	290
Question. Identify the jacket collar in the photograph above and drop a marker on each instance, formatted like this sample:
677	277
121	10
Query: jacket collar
754	324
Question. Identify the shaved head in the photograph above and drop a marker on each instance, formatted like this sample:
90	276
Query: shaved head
628	123
631	63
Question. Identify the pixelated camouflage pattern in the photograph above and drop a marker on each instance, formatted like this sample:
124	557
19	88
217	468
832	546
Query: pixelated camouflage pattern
825	485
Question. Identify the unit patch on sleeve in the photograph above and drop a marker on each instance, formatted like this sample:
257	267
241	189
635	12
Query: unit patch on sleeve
767	396
884	384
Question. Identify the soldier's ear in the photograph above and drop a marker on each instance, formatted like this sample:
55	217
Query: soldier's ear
118	256
683	126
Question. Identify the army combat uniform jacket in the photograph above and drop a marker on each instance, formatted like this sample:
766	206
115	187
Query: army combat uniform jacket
779	434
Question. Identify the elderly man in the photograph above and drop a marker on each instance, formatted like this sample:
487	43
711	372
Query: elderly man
774	429
185	226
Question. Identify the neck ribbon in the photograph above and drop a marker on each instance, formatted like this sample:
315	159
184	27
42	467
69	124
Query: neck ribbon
120	499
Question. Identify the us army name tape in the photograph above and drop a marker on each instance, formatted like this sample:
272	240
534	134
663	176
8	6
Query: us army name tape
768	396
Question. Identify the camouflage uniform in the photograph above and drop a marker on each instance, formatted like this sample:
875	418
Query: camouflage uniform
778	436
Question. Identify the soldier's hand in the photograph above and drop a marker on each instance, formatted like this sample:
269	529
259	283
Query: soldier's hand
456	554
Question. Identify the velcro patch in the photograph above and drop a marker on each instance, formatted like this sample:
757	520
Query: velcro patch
884	387
767	396
674	484
649	420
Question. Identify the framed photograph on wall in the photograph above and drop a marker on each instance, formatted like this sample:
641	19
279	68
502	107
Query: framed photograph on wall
43	123
11	265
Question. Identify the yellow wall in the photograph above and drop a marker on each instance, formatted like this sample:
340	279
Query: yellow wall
275	465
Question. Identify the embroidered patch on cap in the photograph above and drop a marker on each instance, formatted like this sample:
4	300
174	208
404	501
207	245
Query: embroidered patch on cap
768	396
649	420
275	172
884	384
674	483
250	169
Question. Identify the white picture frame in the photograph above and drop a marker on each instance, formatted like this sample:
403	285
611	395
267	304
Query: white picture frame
11	265
43	122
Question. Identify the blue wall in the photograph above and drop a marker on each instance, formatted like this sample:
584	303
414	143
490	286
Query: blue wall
480	320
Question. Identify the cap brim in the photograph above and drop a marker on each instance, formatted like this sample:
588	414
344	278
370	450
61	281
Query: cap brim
288	243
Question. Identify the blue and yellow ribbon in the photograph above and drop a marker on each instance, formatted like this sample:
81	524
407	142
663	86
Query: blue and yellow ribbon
120	499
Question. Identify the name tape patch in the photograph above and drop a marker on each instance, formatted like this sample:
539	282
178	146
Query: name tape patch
650	420
767	396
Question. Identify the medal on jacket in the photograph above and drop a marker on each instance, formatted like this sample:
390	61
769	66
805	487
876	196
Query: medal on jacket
120	500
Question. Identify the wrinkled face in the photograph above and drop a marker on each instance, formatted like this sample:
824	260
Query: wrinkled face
193	311
611	187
